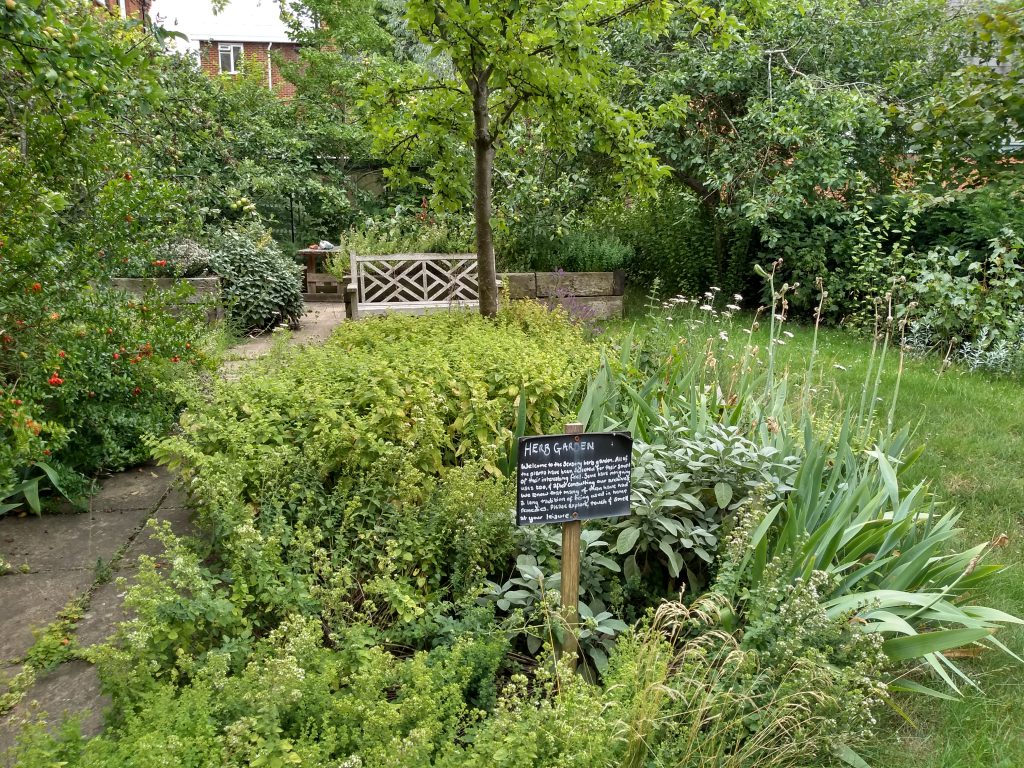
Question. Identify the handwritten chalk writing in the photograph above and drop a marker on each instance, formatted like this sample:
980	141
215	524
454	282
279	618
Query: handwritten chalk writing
573	477
559	448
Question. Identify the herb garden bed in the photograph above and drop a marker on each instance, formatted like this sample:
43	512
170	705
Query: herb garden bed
363	598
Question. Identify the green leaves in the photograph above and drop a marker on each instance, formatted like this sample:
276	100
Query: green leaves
723	494
627	540
262	287
29	490
920	645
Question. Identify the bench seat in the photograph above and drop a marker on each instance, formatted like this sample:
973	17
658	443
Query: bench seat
411	282
414	307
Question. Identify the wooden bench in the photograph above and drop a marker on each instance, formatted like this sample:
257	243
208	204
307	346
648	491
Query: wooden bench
411	282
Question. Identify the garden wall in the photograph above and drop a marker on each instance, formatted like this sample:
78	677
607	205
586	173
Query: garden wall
204	289
599	295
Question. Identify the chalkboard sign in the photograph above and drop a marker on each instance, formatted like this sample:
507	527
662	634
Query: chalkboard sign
573	477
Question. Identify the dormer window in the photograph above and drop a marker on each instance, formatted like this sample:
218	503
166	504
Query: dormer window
230	58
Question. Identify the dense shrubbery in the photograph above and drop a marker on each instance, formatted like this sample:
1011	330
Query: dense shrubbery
357	442
261	286
944	262
673	241
585	250
92	373
968	304
84	372
406	231
364	596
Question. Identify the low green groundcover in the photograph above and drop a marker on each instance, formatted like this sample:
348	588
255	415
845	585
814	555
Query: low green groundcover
360	596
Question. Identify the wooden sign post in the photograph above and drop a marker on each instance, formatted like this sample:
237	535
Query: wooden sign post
566	479
571	572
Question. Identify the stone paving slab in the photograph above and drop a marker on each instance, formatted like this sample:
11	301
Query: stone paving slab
32	601
141	488
73	689
176	498
316	325
66	542
106	612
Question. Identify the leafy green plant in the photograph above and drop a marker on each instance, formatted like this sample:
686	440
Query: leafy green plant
883	554
27	492
532	598
967	303
262	287
684	486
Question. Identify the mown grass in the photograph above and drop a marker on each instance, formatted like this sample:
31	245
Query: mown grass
972	425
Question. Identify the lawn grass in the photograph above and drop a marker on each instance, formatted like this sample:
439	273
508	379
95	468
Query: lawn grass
972	425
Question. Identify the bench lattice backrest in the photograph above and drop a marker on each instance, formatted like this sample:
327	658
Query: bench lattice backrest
415	278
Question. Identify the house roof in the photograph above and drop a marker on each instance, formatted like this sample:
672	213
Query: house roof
256	21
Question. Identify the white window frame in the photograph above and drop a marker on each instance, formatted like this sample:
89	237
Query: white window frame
236	60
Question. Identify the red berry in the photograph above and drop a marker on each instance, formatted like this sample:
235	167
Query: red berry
36	287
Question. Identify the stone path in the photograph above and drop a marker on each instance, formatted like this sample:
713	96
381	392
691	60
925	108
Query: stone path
76	558
317	323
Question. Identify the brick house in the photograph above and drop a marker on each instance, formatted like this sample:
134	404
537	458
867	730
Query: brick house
224	56
245	31
128	9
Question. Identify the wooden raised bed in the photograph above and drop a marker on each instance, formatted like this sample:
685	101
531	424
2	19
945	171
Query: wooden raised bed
204	289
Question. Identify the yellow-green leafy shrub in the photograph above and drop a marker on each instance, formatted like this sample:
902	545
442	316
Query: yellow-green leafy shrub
360	480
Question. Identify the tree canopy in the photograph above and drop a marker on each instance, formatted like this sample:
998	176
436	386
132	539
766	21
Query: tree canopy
472	68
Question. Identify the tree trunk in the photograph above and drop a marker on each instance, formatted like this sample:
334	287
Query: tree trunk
483	156
721	246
